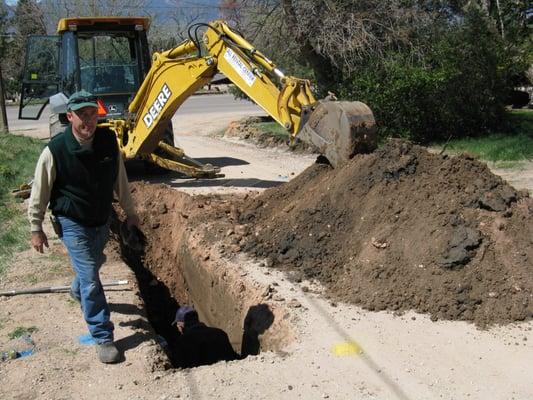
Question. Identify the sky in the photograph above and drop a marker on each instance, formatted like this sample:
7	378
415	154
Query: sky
207	3
207	8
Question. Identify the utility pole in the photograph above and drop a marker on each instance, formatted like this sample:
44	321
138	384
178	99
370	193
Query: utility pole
3	114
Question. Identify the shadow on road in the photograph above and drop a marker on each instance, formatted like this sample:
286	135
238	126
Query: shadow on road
128	309
242	183
132	341
222	161
137	173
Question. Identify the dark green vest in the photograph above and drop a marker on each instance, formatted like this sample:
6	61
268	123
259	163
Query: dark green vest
83	189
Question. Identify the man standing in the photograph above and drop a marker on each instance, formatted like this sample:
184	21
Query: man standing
200	344
76	176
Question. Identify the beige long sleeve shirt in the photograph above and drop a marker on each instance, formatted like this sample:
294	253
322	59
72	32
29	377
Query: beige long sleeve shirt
43	181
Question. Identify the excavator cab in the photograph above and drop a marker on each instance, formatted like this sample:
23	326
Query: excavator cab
107	56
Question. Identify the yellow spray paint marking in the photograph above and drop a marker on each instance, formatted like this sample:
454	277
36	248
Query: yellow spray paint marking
346	349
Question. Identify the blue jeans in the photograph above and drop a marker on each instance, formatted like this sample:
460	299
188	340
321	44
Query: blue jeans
85	247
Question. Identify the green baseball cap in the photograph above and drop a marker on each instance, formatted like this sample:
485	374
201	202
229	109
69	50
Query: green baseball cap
81	99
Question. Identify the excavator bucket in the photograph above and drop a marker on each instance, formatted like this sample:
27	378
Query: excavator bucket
340	130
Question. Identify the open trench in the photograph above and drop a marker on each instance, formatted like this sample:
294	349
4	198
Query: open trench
174	266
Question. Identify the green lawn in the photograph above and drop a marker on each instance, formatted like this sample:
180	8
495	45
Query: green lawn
18	155
513	145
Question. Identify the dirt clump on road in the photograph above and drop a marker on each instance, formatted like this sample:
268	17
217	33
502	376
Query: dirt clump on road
402	229
248	129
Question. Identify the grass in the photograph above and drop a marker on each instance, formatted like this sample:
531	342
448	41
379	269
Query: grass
21	331
272	133
32	279
18	156
69	352
272	129
59	267
508	148
72	302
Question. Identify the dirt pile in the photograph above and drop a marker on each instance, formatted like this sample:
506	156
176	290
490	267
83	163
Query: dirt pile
396	230
401	229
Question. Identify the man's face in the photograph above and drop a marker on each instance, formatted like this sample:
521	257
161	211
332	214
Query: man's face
83	122
180	326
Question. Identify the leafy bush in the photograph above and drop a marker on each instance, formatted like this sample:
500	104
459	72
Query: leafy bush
457	88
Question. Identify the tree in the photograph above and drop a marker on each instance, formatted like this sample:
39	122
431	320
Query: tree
458	88
263	23
230	10
171	26
3	27
3	33
428	68
333	36
28	19
54	10
510	19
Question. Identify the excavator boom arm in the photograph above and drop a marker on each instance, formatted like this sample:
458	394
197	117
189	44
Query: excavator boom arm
337	129
177	73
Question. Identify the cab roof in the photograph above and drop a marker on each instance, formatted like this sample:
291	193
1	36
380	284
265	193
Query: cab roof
87	22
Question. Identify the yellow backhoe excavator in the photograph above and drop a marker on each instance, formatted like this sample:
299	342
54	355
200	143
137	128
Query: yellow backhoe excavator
109	57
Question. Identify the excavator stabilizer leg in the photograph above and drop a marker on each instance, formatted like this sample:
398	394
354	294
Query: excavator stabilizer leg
340	130
173	158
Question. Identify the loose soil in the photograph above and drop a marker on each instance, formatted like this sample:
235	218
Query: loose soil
246	129
400	229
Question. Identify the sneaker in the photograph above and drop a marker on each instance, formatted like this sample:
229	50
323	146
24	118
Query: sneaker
108	353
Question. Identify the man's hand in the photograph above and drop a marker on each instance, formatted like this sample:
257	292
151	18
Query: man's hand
38	239
133	221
